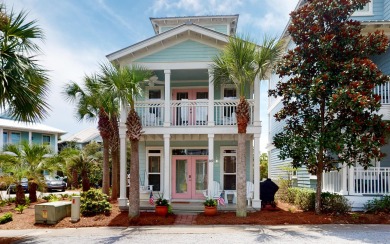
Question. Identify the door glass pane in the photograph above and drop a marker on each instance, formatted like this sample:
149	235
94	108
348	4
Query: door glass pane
181	176
154	180
229	164
202	95
154	164
229	182
201	175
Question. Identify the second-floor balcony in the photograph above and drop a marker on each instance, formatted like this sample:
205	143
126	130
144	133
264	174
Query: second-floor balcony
190	113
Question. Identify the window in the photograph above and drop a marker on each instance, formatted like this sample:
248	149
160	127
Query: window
229	91
15	138
229	160
366	10
5	138
154	93
46	140
154	169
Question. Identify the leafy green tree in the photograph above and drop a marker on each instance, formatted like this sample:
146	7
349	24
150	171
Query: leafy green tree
93	102
24	84
124	83
263	166
329	106
240	62
26	161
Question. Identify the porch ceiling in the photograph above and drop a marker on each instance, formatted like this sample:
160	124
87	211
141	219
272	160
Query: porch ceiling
181	75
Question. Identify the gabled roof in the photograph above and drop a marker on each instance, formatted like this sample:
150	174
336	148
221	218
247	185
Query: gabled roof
33	127
84	136
167	34
163	21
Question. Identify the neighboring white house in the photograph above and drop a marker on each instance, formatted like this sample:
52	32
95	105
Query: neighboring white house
357	184
189	143
81	138
15	132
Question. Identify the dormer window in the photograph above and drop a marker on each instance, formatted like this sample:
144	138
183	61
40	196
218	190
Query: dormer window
367	10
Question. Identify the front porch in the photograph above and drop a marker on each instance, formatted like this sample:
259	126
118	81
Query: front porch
357	184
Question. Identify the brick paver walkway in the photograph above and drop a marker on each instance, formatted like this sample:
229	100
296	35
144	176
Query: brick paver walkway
185	219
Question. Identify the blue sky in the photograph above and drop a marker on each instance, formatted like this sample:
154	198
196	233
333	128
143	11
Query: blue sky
80	33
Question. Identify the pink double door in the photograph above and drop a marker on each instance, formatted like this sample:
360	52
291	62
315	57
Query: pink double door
194	106
189	177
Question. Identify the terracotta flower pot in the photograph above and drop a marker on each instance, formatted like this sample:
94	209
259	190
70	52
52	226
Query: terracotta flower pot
161	210
210	211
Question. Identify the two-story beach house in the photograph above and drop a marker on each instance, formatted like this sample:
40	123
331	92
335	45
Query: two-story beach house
355	183
15	132
189	144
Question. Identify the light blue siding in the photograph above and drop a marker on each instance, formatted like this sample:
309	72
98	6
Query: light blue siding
386	10
383	62
378	12
275	126
183	52
303	178
276	165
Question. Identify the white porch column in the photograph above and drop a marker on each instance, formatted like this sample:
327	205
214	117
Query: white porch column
210	175
256	119
167	99
256	203
30	137
123	199
56	143
344	190
2	139
351	177
167	168
211	99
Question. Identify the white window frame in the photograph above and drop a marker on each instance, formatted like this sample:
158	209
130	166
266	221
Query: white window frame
222	154
370	11
148	88
223	86
43	142
147	173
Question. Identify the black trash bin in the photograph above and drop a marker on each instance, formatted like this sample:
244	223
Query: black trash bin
268	188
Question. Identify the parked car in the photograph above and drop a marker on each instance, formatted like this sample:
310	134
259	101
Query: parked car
54	184
12	187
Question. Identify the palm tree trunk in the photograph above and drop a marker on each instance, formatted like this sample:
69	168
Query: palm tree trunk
134	181
106	167
20	197
32	191
241	176
85	181
75	181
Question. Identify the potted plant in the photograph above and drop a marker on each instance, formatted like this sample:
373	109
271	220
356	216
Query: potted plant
210	207
161	206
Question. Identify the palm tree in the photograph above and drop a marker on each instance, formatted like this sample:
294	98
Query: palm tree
28	160
241	62
124	82
23	83
92	103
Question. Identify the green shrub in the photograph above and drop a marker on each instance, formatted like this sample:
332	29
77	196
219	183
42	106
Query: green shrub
304	198
7	217
20	208
10	200
334	203
282	193
378	205
51	198
94	202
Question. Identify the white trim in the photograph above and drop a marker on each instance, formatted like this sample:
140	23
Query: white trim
370	11
221	155
161	155
274	104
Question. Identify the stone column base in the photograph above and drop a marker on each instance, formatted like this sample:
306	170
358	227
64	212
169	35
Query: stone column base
123	204
256	204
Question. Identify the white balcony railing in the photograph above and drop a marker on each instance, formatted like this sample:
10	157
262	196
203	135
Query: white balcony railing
384	92
371	181
190	112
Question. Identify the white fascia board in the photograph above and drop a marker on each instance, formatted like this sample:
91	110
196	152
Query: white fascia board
173	65
199	130
171	33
